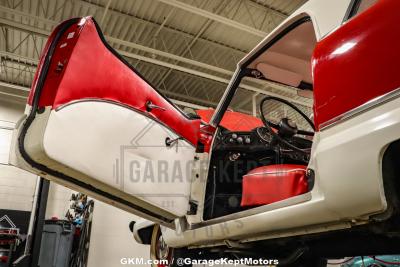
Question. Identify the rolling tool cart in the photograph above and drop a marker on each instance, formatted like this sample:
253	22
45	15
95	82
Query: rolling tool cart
9	240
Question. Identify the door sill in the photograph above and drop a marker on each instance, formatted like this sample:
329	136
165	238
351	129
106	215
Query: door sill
257	210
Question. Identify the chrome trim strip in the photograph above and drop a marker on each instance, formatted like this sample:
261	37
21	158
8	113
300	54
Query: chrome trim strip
360	109
273	206
7	128
7	125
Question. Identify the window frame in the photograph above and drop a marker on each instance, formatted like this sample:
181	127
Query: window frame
239	73
352	9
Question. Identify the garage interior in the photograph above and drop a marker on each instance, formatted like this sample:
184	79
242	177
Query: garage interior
187	49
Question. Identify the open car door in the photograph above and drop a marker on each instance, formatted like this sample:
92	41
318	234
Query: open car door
95	125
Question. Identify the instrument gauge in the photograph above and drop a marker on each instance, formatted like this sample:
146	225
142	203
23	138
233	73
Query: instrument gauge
264	134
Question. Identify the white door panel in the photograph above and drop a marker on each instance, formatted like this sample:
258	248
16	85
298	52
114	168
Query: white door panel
87	137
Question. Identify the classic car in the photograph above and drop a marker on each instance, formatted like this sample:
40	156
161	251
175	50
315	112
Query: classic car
295	189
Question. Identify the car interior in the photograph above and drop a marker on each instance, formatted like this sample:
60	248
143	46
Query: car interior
266	164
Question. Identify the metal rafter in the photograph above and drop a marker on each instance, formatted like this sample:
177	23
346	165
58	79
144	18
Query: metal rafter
269	8
213	16
131	17
205	26
105	12
26	90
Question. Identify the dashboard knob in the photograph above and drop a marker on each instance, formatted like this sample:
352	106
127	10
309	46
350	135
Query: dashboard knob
231	140
247	140
240	140
234	136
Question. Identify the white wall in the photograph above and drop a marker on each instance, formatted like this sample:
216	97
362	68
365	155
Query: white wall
58	201
16	186
10	109
111	239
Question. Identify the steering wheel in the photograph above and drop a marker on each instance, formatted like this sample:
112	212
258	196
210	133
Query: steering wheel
286	128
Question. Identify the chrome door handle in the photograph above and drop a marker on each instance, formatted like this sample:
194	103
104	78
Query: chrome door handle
171	142
150	106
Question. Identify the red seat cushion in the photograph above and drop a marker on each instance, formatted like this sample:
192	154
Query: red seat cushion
268	184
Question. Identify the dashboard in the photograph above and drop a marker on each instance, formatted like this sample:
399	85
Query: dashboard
256	141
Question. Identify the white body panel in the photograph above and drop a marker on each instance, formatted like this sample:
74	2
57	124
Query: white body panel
326	15
348	185
114	146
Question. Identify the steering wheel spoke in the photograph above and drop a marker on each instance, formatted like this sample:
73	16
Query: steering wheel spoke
307	133
286	129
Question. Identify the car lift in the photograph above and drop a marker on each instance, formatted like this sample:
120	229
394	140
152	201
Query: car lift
30	258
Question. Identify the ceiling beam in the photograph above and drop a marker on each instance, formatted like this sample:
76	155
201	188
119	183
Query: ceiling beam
189	46
27	89
269	8
35	30
24	27
53	23
17	58
168	55
14	86
215	17
8	10
103	17
131	17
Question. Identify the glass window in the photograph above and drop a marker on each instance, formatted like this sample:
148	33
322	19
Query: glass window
359	6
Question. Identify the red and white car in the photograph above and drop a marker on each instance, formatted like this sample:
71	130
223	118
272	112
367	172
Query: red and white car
92	123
